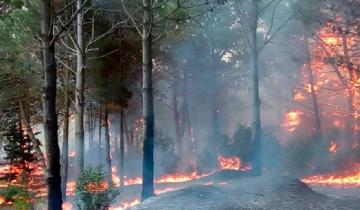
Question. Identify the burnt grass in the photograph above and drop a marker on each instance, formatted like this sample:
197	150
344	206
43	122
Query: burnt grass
228	190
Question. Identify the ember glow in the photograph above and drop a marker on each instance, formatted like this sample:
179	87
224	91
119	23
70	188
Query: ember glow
164	190
67	206
126	205
292	120
2	199
232	163
333	147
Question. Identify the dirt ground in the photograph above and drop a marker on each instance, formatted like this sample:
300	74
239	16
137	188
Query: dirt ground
228	191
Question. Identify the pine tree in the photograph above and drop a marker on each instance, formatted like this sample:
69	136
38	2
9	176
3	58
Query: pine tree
18	146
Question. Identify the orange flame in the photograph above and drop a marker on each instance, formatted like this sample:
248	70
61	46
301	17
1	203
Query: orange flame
333	148
2	199
292	120
232	163
348	178
67	206
167	189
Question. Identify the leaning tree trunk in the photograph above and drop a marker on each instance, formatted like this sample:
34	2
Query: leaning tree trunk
148	104
49	108
79	93
36	143
255	98
107	147
122	148
318	129
65	143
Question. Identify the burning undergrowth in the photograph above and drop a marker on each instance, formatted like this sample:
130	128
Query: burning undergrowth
322	122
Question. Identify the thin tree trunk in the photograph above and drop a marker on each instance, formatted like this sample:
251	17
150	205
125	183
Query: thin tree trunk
351	91
65	143
49	108
213	106
148	104
177	121
79	93
91	129
318	129
100	131
129	144
10	171
122	150
36	143
107	147
255	98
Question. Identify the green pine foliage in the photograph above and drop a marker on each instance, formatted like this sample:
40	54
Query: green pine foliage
18	146
98	196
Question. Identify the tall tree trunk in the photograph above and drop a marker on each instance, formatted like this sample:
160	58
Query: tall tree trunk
177	121
128	140
79	92
255	98
350	124
318	129
49	108
122	148
65	143
100	132
91	127
148	104
213	105
107	147
38	153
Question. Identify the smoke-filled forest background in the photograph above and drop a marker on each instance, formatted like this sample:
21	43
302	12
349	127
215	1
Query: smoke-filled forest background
97	95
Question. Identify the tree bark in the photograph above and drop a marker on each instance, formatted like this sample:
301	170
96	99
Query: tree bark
65	143
177	121
148	104
49	108
79	92
255	98
213	105
122	148
318	129
107	147
128	140
100	131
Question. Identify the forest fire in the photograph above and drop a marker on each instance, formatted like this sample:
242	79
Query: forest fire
232	163
168	178
345	179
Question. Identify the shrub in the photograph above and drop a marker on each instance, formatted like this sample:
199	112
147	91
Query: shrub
92	190
19	196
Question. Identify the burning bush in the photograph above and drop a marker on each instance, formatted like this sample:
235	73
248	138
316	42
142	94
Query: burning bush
92	190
